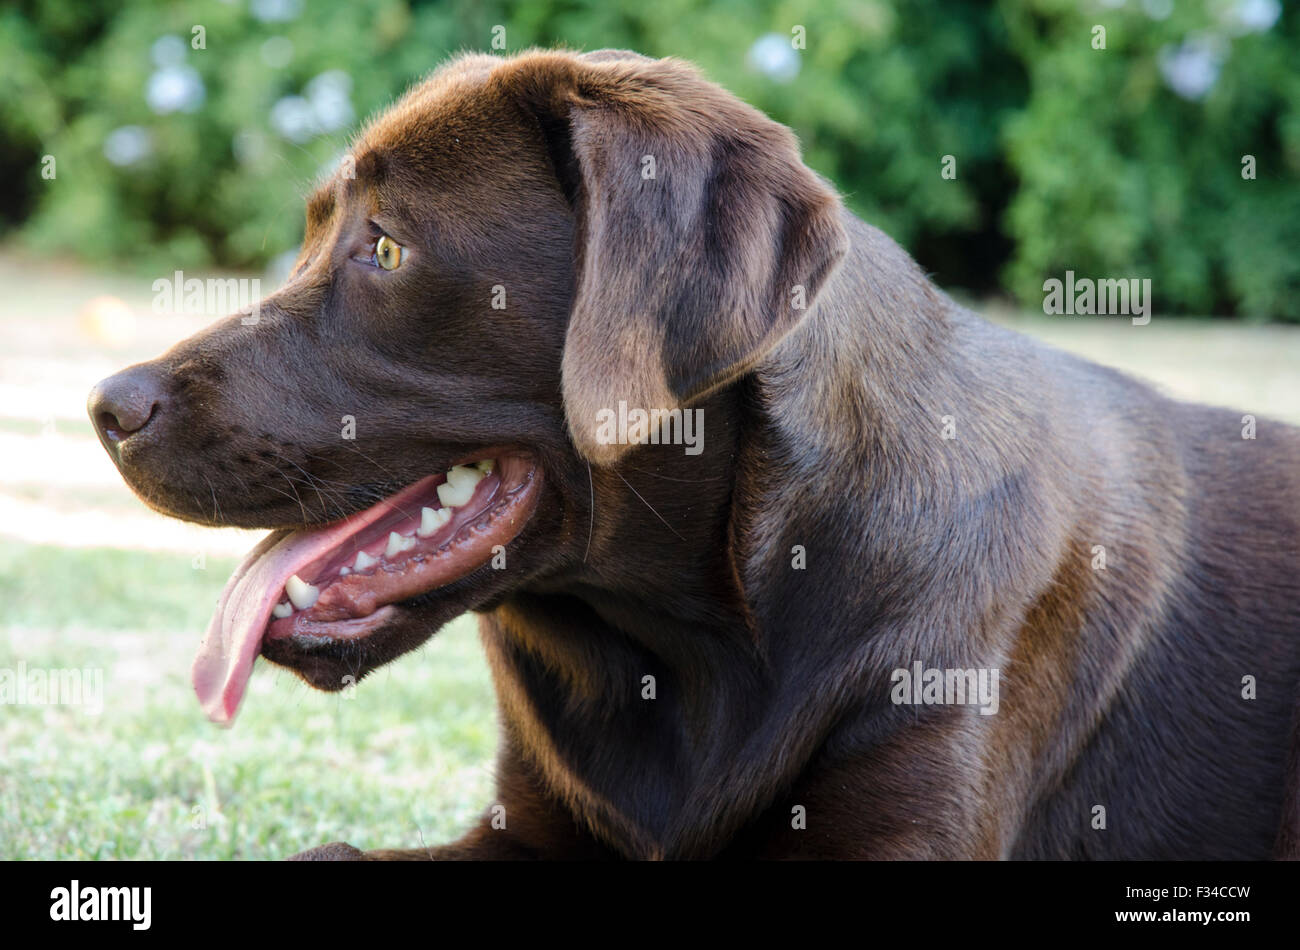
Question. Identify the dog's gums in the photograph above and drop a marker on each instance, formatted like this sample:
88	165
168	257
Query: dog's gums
393	553
344	581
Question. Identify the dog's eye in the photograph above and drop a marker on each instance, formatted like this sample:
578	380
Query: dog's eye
388	253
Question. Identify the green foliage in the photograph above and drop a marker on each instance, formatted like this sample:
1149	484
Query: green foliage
1119	175
1067	157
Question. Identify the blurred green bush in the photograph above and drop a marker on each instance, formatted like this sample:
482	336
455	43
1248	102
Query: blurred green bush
1123	161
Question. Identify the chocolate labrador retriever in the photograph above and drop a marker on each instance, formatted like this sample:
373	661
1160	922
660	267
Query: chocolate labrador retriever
777	551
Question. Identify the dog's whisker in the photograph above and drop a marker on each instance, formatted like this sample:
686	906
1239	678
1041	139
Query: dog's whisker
297	497
280	491
353	446
591	523
322	493
216	506
648	505
669	478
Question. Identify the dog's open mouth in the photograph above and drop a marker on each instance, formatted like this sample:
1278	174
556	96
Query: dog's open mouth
341	581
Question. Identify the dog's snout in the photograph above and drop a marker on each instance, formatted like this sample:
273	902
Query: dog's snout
125	403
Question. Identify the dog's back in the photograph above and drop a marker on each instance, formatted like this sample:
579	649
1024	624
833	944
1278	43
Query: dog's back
1193	756
1127	562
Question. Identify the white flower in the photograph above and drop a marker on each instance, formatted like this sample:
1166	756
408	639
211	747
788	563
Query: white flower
329	94
1158	9
127	145
774	56
175	89
275	11
324	107
293	118
168	50
1251	16
1192	68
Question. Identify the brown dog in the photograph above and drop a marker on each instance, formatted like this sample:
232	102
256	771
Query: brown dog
724	647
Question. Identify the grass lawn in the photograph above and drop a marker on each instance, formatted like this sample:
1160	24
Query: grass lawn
405	759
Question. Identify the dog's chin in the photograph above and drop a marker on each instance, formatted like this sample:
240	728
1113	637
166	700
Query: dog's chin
335	602
334	664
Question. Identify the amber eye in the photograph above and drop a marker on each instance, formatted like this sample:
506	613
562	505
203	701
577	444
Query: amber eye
388	253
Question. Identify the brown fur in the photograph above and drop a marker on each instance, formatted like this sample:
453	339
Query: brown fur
1119	688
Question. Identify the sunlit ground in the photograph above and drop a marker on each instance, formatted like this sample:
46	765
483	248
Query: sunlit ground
92	579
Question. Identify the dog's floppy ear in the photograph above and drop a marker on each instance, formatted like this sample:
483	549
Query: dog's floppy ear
702	237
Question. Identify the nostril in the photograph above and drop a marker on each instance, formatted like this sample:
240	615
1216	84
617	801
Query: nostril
124	404
118	427
107	423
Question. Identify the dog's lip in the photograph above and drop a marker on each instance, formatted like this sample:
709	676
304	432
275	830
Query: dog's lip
241	622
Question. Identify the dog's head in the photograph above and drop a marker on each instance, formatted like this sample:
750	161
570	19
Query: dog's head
509	254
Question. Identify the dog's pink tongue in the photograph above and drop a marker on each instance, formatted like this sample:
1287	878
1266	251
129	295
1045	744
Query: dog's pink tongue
234	638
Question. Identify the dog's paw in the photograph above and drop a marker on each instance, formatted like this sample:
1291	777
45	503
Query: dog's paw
334	851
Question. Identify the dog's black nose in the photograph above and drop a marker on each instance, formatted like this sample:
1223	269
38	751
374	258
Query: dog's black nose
124	403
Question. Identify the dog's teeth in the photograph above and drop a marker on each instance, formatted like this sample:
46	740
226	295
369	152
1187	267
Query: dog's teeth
431	519
344	571
364	561
428	522
469	474
394	544
459	486
397	544
485	465
280	611
301	594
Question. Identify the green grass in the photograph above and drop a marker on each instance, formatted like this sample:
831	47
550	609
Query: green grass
406	759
